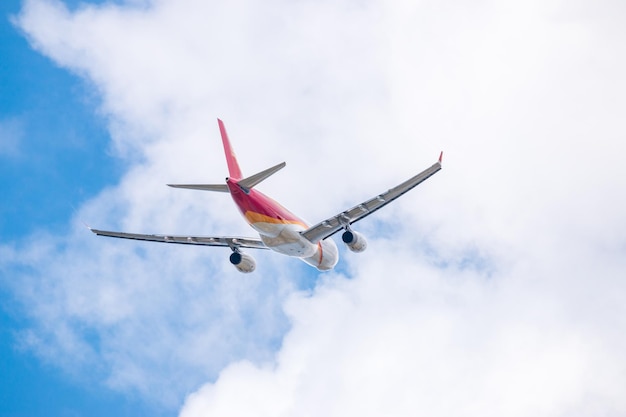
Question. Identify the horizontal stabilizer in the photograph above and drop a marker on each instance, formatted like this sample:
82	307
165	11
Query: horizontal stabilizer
222	188
247	183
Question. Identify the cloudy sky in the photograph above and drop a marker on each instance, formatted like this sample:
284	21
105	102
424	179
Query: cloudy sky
495	288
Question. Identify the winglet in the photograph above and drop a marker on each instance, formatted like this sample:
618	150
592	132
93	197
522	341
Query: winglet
233	166
440	157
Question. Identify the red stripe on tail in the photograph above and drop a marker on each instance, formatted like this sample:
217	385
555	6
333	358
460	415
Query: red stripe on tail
233	166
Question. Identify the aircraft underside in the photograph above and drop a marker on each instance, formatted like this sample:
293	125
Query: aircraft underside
288	240
279	229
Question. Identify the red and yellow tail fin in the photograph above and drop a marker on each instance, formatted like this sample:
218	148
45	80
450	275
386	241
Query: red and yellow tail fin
234	171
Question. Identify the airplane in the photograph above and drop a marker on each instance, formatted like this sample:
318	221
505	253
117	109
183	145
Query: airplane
278	228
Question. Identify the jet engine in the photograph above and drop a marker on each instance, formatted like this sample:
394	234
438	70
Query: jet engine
243	262
356	242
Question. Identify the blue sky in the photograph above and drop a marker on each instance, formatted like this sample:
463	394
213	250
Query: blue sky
57	160
56	155
496	287
59	140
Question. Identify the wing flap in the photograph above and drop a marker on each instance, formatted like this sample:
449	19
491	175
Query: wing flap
332	225
223	241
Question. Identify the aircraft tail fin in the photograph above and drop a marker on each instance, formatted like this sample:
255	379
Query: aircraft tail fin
233	170
233	166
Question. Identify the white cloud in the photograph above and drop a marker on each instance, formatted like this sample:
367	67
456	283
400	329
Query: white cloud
493	289
405	338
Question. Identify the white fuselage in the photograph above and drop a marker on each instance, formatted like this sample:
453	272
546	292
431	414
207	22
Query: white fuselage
285	238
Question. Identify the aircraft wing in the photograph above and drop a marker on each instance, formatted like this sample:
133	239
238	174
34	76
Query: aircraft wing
334	224
225	241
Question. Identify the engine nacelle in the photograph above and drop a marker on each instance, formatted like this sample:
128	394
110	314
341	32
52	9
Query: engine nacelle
356	242
243	262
